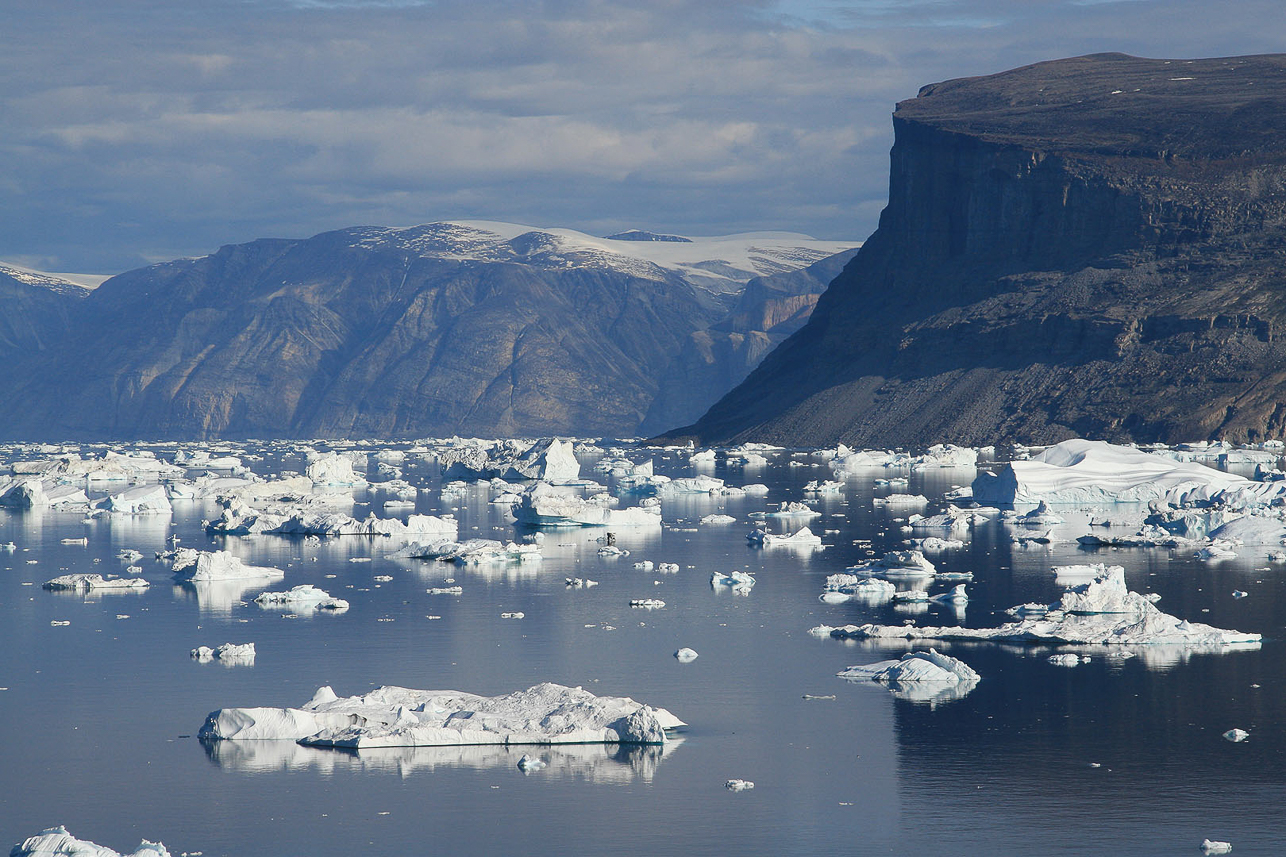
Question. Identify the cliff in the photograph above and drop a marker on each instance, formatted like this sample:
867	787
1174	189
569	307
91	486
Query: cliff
1090	246
484	329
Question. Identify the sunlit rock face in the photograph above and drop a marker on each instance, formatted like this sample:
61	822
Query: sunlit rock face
471	328
1083	247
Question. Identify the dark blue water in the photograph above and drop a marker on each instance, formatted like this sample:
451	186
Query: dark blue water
98	721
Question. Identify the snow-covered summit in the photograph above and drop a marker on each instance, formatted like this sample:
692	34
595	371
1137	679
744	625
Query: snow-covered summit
719	264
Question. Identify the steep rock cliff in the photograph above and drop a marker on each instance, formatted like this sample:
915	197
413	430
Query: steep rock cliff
1093	246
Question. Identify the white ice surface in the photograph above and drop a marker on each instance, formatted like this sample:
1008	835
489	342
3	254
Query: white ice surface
57	841
400	717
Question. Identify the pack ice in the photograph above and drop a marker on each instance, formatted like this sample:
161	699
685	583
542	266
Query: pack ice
57	841
1100	611
400	717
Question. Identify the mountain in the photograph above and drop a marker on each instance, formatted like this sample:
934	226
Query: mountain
35	310
446	328
1093	246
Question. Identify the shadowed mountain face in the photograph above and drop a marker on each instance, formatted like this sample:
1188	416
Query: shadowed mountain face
1092	246
433	330
35	312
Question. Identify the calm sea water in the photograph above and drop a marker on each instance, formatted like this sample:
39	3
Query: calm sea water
98	717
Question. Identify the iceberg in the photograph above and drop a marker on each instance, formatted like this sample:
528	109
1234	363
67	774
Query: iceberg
208	566
400	717
96	582
228	654
1090	471
1101	612
738	581
545	506
140	500
57	841
305	598
929	676
802	539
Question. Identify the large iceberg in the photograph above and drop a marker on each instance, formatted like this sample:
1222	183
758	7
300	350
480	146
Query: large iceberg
87	582
919	676
1091	471
1099	612
546	506
400	717
206	566
57	841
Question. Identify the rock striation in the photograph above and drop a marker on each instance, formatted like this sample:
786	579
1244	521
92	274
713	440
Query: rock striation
447	328
1087	247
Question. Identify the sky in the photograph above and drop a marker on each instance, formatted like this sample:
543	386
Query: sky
136	131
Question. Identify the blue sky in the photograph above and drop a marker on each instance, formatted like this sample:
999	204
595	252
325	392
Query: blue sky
140	131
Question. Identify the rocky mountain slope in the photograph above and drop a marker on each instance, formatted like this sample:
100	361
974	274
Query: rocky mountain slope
35	311
470	328
1092	246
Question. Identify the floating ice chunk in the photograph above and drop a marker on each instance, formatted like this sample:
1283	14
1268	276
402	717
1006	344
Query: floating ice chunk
1236	735
645	565
1065	660
896	565
334	470
471	551
738	785
718	519
515	615
140	500
933	543
304	597
824	487
228	654
1216	550
544	505
1237	593
1215	846
445	590
910	596
802	539
789	510
901	500
57	841
648	603
1101	612
581	582
530	763
703	458
206	566
920	676
95	582
957	595
400	717
129	555
1028	610
845	587
738	581
686	655
668	567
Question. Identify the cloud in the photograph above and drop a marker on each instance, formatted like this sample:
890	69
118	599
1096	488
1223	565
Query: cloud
150	126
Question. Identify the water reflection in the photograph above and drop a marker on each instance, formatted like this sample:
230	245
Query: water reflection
596	763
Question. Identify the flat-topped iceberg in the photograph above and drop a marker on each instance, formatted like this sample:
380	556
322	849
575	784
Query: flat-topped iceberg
470	551
1090	471
238	519
400	717
546	506
228	654
1099	612
86	582
801	539
304	597
57	841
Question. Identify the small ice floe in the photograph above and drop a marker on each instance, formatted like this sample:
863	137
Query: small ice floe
471	551
401	717
789	510
738	785
1215	846
228	654
1238	593
933	543
648	603
1236	735
57	841
910	596
851	587
80	541
686	655
667	567
517	614
612	550
303	598
359	559
901	500
645	565
1067	660
581	582
920	676
1029	610
59	623
531	763
828	486
954	575
445	590
95	582
802	539
718	519
738	581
